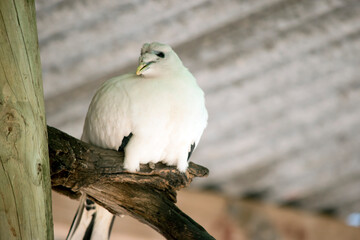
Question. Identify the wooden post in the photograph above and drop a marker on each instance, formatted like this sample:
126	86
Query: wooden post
25	190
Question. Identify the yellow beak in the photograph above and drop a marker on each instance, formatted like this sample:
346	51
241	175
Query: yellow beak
142	67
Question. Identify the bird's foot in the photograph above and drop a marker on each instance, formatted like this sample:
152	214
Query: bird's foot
182	166
152	165
131	166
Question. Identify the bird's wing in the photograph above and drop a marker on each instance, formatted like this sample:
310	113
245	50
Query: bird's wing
108	122
107	125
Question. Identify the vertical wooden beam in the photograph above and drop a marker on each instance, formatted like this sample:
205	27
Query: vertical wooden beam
25	188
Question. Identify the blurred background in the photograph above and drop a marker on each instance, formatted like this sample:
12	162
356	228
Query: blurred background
282	85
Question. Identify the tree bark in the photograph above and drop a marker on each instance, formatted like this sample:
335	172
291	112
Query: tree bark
148	195
25	193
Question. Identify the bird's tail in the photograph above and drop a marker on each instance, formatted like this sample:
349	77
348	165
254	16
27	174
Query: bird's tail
91	222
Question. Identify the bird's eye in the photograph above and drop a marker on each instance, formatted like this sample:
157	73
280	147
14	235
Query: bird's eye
159	54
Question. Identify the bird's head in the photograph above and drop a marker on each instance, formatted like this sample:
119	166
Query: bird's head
156	59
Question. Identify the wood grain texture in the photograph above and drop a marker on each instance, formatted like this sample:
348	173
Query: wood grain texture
148	195
25	197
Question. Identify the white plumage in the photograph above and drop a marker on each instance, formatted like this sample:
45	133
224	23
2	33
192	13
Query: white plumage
162	107
157	114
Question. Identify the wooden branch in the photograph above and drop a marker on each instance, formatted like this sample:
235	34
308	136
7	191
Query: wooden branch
148	195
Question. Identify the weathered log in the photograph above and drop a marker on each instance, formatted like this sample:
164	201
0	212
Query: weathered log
148	195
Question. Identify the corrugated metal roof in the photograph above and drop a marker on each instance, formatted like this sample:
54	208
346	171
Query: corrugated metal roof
281	78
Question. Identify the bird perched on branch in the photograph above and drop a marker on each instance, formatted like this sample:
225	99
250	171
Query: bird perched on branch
155	115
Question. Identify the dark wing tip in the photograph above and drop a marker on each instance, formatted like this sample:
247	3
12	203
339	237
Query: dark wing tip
191	150
124	142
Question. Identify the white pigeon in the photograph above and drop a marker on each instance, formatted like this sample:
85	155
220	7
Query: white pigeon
157	114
